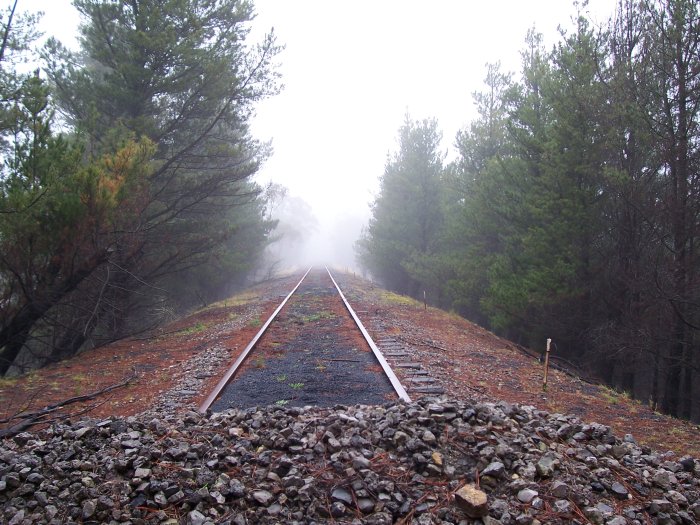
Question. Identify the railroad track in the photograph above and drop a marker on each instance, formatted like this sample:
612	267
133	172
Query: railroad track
313	350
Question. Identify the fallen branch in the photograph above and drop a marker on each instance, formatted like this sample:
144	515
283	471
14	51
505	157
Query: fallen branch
34	418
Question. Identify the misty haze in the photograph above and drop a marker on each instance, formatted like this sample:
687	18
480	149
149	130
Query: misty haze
532	167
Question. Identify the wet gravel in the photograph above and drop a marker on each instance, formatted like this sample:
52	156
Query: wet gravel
436	461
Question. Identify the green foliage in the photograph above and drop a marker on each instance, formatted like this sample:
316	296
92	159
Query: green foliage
406	215
572	209
182	75
148	199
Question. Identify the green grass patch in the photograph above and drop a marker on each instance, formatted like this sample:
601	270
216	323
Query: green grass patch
393	298
317	316
195	329
236	300
8	382
612	396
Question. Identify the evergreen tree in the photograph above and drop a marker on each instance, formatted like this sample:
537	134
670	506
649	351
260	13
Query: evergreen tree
150	196
407	215
671	43
181	74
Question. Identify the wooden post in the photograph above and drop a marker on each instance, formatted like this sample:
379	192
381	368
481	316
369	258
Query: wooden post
546	365
425	302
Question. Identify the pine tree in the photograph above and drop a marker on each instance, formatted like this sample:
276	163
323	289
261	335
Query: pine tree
181	74
407	215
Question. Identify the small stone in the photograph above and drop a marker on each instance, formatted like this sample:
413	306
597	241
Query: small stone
365	505
428	437
562	505
437	458
677	498
218	497
41	498
142	473
527	495
263	497
523	519
360	462
177	496
51	511
337	509
472	501
236	488
545	467
688	464
494	470
594	515
196	518
35	478
619	451
342	495
671	466
659	505
22	439
619	491
617	520
597	486
400	438
559	489
17	518
89	508
663	479
379	518
81	432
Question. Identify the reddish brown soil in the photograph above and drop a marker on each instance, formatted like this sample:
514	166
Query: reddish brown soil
467	360
471	362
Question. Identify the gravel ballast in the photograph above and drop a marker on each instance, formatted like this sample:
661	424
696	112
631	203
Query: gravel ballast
432	461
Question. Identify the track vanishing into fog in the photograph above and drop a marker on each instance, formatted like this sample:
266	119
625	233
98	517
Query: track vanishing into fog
313	350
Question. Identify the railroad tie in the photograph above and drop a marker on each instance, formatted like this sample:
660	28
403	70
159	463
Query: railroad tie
429	390
418	380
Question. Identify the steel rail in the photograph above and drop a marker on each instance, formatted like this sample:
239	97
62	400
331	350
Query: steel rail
398	387
232	370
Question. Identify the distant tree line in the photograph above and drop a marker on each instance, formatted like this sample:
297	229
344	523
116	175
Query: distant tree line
126	185
573	209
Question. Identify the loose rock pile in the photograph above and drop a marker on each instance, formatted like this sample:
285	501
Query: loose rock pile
434	461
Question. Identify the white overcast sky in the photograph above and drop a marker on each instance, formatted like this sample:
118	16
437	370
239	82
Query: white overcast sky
353	69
